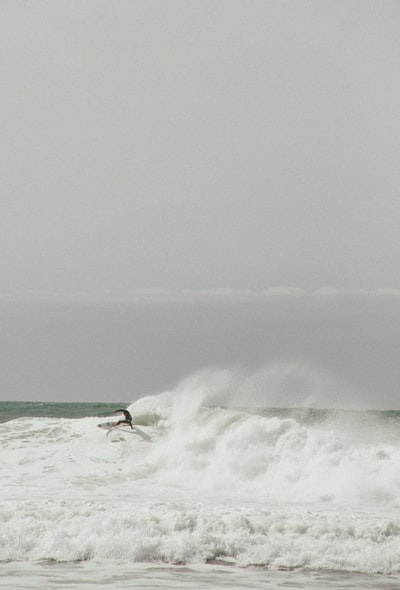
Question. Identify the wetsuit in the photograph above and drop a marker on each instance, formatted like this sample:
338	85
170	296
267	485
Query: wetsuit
127	418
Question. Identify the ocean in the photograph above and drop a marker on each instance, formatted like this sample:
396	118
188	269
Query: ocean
201	496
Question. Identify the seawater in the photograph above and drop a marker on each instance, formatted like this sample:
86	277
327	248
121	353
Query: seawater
219	497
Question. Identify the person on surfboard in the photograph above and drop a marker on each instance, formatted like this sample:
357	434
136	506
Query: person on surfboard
127	418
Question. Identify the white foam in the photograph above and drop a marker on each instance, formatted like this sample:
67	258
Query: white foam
177	533
212	484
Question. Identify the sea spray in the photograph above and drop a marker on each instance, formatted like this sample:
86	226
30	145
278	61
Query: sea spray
272	457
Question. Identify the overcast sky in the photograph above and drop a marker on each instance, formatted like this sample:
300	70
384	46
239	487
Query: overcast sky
199	144
164	150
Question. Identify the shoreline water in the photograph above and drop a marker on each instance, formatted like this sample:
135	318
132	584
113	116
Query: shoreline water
78	576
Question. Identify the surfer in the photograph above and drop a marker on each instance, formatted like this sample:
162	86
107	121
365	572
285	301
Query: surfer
127	418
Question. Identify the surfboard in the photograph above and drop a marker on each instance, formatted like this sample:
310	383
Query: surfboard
113	426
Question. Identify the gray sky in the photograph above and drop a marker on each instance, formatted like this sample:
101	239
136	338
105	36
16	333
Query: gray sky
187	144
324	349
155	152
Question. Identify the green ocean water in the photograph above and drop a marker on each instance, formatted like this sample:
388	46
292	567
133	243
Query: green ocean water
12	410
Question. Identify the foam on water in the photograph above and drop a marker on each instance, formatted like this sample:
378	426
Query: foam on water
214	484
178	533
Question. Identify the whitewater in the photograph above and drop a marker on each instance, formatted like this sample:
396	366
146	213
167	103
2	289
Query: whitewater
219	497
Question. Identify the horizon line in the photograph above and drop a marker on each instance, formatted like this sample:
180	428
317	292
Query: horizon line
170	295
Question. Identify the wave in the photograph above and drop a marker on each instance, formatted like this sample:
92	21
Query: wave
297	455
274	488
180	534
282	455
